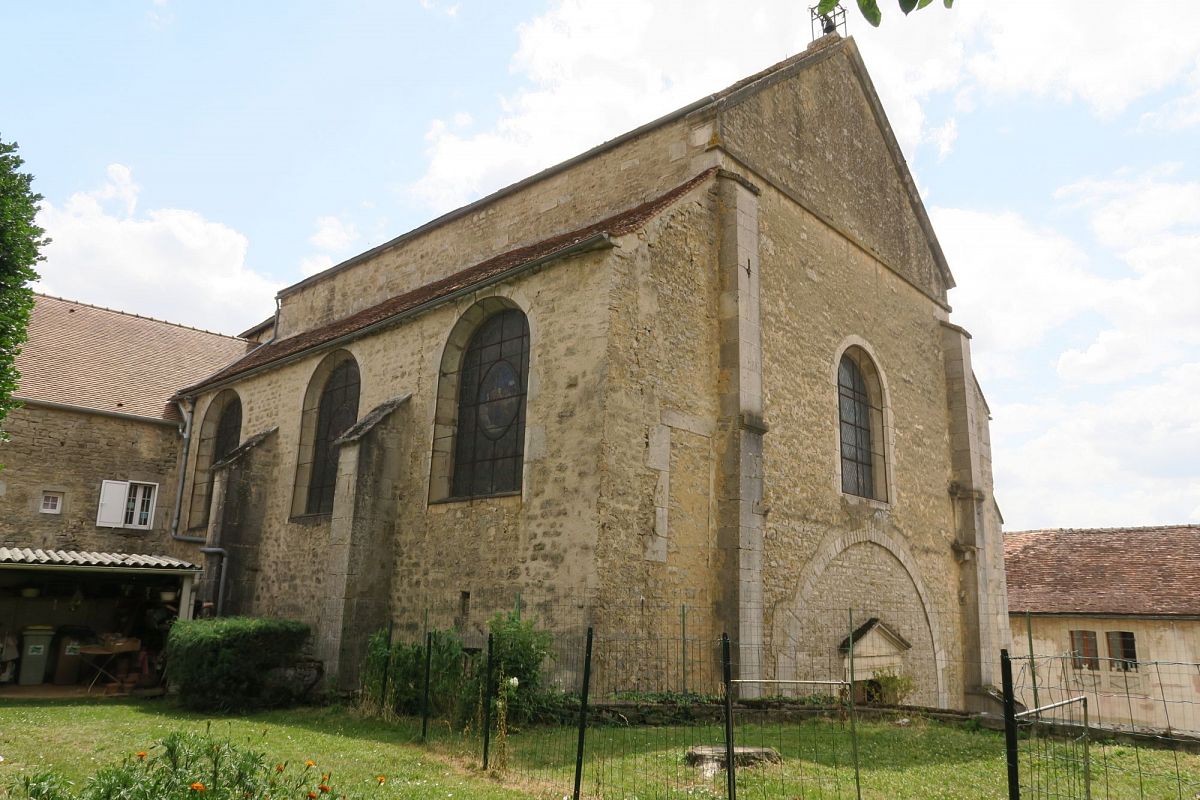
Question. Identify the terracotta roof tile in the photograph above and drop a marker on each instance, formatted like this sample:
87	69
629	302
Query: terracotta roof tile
617	225
84	355
1152	571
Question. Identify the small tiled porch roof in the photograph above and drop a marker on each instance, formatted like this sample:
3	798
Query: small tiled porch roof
23	557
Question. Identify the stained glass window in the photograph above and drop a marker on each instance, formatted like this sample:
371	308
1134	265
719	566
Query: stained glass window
490	441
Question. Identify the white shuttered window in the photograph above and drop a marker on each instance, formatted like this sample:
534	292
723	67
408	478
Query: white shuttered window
126	504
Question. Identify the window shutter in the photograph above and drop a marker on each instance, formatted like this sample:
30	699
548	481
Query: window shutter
111	513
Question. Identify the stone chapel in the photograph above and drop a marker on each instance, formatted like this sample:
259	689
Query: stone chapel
709	362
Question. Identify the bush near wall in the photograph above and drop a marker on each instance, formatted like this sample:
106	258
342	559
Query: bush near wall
229	662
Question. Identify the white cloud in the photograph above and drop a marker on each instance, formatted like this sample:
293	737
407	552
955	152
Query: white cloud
313	264
1152	223
1016	282
945	136
591	70
1122	459
450	10
1102	52
333	234
167	263
1113	440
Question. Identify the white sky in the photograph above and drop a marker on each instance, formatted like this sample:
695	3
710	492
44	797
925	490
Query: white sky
197	156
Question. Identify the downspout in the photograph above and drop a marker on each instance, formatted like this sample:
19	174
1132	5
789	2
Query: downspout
187	412
219	551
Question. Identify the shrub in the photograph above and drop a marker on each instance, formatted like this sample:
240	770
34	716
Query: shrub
226	663
187	766
518	651
405	667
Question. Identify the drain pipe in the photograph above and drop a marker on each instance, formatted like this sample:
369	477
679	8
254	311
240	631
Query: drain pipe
187	412
219	551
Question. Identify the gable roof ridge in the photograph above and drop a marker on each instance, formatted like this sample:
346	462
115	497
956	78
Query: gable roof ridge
138	316
898	159
815	52
482	273
1115	529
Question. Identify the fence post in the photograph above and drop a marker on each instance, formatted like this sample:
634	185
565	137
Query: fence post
425	692
487	706
1032	662
387	667
853	714
1010	728
583	712
1087	754
730	765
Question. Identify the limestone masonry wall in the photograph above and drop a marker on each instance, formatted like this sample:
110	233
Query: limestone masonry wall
72	452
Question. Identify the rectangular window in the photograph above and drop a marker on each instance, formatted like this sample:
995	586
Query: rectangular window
52	502
1122	651
126	504
1085	653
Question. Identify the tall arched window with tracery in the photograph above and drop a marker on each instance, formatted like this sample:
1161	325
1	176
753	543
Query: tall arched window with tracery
330	408
861	426
220	434
490	442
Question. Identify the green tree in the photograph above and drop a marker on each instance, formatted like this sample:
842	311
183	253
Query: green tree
870	8
21	241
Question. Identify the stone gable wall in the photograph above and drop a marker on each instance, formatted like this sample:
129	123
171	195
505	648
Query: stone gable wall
816	137
73	452
818	292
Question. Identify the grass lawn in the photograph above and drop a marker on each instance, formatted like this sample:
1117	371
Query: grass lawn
78	736
923	761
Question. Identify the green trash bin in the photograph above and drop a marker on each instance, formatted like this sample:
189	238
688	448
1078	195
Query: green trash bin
35	654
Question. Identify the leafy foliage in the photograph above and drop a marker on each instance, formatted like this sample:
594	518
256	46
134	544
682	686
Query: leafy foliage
21	241
870	8
225	663
186	765
519	650
404	667
458	681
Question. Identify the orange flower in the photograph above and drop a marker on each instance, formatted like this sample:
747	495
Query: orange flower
310	763
323	788
198	787
312	796
141	754
279	767
382	779
325	777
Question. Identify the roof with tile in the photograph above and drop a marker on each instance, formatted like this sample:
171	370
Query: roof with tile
96	358
1150	571
73	558
395	308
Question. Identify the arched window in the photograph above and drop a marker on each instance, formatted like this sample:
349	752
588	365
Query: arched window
861	426
220	434
490	440
330	408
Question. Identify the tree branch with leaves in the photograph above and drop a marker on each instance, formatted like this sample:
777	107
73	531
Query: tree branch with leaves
21	241
870	8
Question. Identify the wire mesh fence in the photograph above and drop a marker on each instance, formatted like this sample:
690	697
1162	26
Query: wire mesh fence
848	699
1092	727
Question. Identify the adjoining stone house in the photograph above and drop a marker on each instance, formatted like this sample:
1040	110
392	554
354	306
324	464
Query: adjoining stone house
90	473
1117	611
708	362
